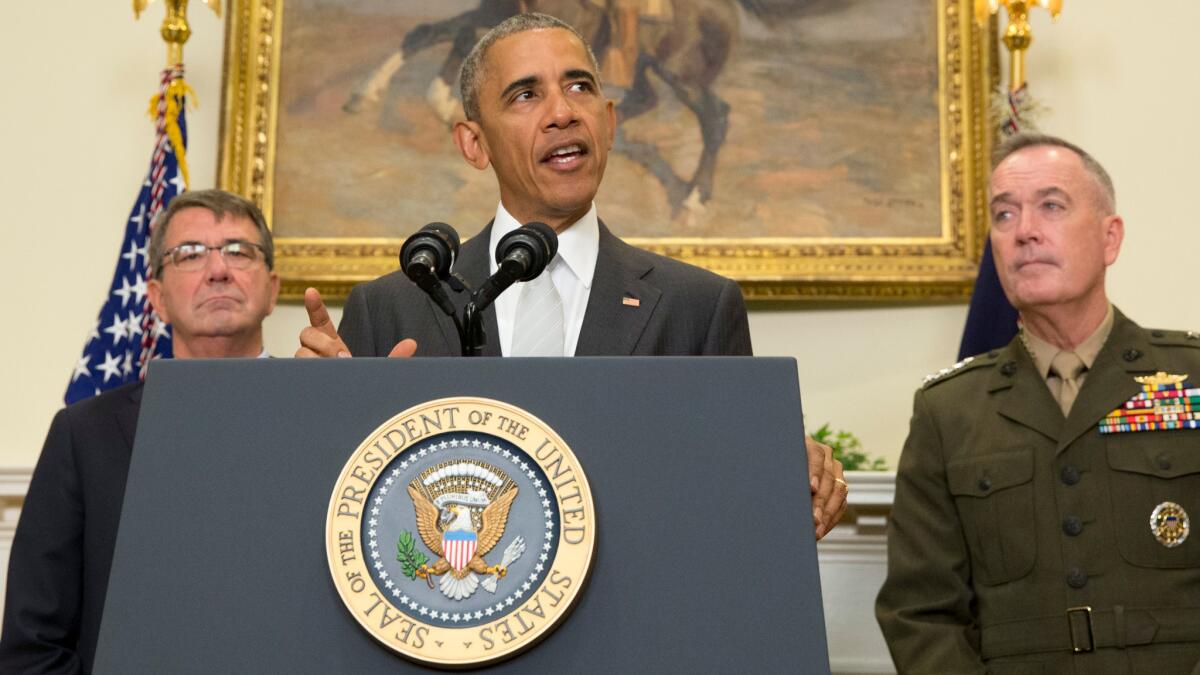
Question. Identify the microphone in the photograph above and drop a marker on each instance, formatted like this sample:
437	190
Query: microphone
527	250
430	251
521	256
427	256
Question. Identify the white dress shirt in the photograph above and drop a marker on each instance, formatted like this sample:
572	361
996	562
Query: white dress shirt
571	271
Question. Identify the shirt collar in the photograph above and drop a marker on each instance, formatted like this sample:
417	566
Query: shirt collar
578	243
1044	352
1090	348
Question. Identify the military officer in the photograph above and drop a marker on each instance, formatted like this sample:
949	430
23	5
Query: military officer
1045	491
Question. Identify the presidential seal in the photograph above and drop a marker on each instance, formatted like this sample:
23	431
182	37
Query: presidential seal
460	532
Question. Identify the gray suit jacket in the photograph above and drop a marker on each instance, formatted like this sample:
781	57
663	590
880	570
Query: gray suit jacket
682	310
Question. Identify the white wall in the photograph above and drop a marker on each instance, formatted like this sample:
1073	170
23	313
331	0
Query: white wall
75	142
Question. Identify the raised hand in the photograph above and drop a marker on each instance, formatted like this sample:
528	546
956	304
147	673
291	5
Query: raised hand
320	338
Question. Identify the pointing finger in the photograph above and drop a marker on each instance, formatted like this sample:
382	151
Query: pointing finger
318	316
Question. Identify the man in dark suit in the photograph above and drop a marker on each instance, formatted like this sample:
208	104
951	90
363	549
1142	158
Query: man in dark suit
636	302
536	114
214	283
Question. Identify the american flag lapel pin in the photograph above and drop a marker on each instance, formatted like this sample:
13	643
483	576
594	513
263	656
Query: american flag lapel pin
631	302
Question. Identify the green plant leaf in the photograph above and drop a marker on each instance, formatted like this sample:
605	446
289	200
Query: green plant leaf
847	449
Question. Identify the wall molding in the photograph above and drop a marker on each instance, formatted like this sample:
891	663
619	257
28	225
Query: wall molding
14	482
853	562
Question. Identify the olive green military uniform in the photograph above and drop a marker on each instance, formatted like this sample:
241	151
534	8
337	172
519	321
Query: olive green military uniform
1007	516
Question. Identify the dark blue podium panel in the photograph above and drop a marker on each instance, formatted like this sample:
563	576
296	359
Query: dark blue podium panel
705	559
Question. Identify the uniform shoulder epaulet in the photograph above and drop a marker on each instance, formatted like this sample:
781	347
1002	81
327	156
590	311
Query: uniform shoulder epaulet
1176	338
969	363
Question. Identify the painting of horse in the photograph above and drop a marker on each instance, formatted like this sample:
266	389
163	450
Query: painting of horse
745	119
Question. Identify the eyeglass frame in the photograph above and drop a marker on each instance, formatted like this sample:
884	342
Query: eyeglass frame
169	254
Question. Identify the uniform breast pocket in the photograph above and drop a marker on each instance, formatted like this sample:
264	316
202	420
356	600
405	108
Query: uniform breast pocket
1149	469
994	496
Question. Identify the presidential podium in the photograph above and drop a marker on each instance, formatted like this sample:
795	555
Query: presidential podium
704	558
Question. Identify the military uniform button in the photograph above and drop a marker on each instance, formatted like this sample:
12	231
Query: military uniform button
1072	526
985	484
1131	355
1164	462
1076	578
1009	368
1069	475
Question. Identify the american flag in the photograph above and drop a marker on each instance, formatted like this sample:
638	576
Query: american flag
127	332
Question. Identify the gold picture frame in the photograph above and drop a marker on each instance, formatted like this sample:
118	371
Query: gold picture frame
936	266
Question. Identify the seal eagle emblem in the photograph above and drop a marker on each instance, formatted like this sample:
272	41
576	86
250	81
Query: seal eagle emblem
460	532
447	524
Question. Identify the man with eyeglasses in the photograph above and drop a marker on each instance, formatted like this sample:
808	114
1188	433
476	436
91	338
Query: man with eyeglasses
214	282
215	303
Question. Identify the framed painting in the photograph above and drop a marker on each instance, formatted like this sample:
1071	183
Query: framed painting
809	149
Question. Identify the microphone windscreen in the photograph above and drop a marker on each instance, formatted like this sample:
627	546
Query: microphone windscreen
435	245
548	235
447	232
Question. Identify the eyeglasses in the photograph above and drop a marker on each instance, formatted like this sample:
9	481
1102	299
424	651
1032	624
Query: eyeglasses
192	256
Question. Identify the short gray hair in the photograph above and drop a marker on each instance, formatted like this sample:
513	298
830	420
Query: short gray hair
221	204
1016	143
471	76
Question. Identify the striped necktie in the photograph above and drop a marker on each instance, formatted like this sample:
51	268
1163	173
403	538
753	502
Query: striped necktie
538	329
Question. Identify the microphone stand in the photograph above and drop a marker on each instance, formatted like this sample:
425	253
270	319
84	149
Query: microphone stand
470	330
532	246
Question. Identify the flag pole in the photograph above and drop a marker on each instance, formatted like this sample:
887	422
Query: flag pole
175	29
1018	36
991	320
128	333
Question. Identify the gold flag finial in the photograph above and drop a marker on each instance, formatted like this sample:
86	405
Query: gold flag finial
1018	36
175	29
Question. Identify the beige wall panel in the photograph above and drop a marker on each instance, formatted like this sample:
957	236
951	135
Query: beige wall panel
76	141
